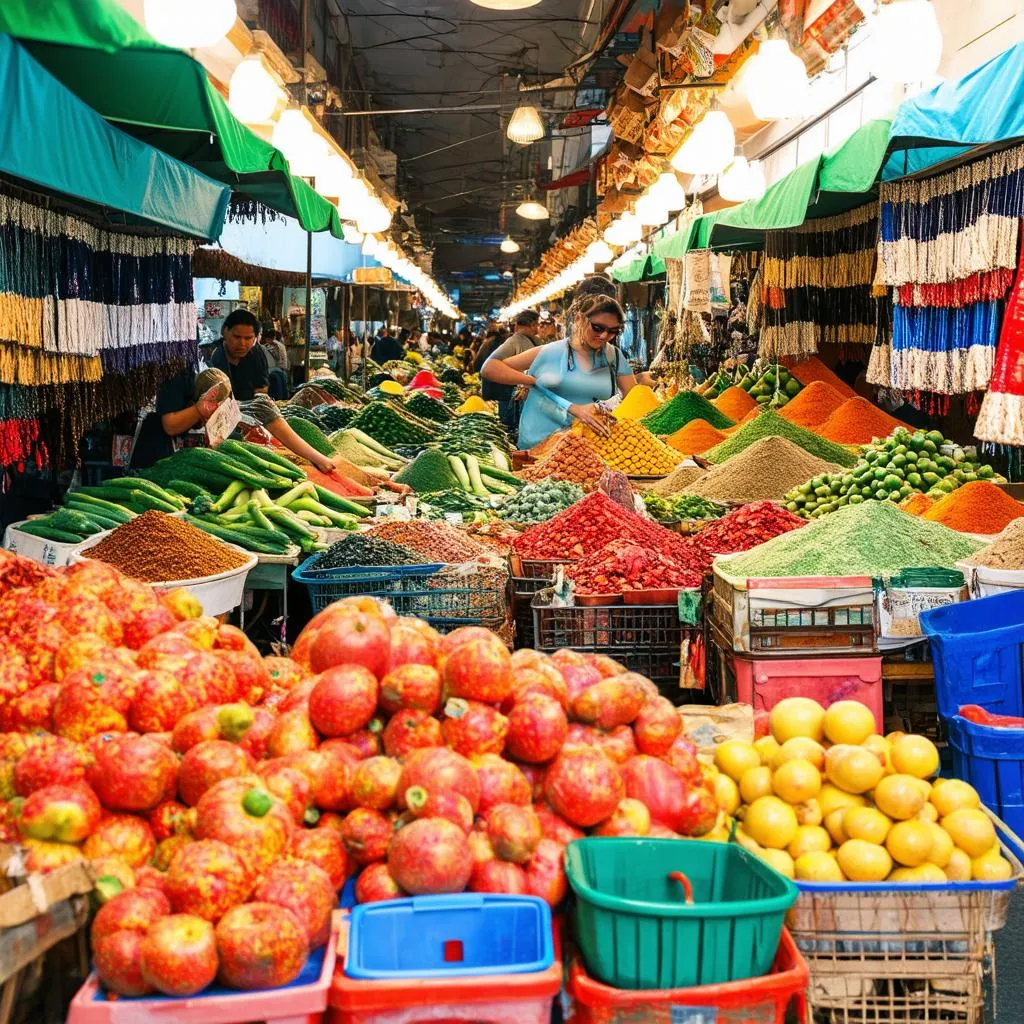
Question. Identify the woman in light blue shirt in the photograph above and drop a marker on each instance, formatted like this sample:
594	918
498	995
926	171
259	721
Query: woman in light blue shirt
567	378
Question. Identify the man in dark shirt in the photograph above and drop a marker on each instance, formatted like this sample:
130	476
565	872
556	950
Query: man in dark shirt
527	325
386	348
240	357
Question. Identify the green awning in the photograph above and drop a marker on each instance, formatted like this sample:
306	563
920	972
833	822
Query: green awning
91	160
161	96
630	272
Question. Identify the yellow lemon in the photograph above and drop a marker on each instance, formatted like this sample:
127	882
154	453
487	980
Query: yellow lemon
971	830
800	748
927	813
771	822
881	746
899	796
991	867
767	747
780	860
914	755
796	781
909	842
834	824
809	812
958	867
949	795
942	846
817	867
853	769
797	716
832	799
848	721
808	839
862	861
734	757
866	823
917	875
727	794
756	782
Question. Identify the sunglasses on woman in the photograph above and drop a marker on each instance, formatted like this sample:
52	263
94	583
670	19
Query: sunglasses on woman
604	331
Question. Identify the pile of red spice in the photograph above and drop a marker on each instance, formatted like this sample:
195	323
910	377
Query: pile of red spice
619	568
742	529
977	507
589	525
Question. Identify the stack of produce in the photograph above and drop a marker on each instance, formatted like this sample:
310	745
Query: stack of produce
824	798
676	482
389	427
1005	552
683	507
571	459
420	404
364	451
311	433
870	539
640	401
679	410
770	424
632	449
362	549
429	471
976	507
479	434
735	403
858	421
766	383
696	437
536	503
766	470
892	470
157	548
742	529
590	524
622	568
814	405
917	504
813	369
437	543
438	504
335	417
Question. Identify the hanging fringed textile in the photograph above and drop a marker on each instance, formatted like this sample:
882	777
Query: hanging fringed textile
947	251
1001	420
816	285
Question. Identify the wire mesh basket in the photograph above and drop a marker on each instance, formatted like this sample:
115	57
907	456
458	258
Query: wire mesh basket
523	589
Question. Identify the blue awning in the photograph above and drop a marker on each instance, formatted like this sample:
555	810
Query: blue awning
50	138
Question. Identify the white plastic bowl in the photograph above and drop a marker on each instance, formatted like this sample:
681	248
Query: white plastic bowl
985	582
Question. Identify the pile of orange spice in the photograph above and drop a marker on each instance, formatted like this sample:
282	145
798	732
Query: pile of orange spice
734	402
917	504
695	437
811	369
857	421
813	405
977	507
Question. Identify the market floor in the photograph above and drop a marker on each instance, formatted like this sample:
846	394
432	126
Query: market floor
1009	1003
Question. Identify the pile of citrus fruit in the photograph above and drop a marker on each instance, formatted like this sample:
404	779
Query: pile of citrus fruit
824	798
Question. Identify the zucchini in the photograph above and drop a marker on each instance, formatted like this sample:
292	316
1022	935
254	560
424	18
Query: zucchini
375	446
235	469
94	515
256	514
39	528
313	519
227	498
473	469
261	497
241	499
72	521
141	500
304	489
339	504
309	505
137	483
112	510
237	537
290	523
498	474
278	464
187	489
459	469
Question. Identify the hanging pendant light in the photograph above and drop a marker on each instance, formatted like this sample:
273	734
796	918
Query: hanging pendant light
530	209
253	92
775	82
906	41
741	180
509	244
670	193
631	229
334	176
525	125
376	217
709	147
189	24
600	252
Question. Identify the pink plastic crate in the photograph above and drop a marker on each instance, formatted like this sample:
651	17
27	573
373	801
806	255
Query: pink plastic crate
763	682
302	1002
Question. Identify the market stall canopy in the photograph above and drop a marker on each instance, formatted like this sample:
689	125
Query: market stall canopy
829	184
92	161
641	269
161	96
984	108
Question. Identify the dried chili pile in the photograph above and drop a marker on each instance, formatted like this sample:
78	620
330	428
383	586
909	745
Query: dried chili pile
618	568
435	541
157	548
744	528
977	507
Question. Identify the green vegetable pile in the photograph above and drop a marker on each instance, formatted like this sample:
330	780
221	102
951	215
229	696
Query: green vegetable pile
436	504
420	404
874	538
478	433
680	410
537	503
429	471
385	424
770	424
767	383
334	417
891	470
360	549
685	506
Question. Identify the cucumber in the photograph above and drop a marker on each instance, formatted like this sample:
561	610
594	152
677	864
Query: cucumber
126	484
112	510
39	528
255	511
187	490
290	523
473	469
225	501
338	503
239	537
459	469
260	463
145	501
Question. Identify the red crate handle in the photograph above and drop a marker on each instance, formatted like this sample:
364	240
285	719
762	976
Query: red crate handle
678	876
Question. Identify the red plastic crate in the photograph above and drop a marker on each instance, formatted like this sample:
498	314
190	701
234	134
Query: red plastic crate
763	682
297	1003
753	1001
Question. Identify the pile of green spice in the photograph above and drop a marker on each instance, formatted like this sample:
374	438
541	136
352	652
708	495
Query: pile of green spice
874	538
678	411
360	549
771	424
429	471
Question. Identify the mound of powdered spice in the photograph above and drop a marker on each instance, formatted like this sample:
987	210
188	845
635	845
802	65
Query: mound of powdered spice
768	469
1005	552
977	507
813	405
771	424
678	411
811	369
676	482
735	403
157	548
572	460
857	421
696	437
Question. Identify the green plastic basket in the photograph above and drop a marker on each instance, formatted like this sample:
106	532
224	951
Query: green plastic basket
636	928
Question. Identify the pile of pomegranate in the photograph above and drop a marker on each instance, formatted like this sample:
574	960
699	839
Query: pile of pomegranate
224	797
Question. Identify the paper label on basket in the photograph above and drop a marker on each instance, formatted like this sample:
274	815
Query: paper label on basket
693	1014
223	421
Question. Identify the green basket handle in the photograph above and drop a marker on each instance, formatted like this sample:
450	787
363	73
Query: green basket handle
678	876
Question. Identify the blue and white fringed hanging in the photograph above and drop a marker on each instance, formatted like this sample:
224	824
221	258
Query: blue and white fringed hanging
948	250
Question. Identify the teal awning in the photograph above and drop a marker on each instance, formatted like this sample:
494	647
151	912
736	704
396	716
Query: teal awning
161	96
640	269
984	108
88	159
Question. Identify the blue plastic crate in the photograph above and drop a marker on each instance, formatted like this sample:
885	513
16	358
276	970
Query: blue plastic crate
463	935
978	654
411	589
991	759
